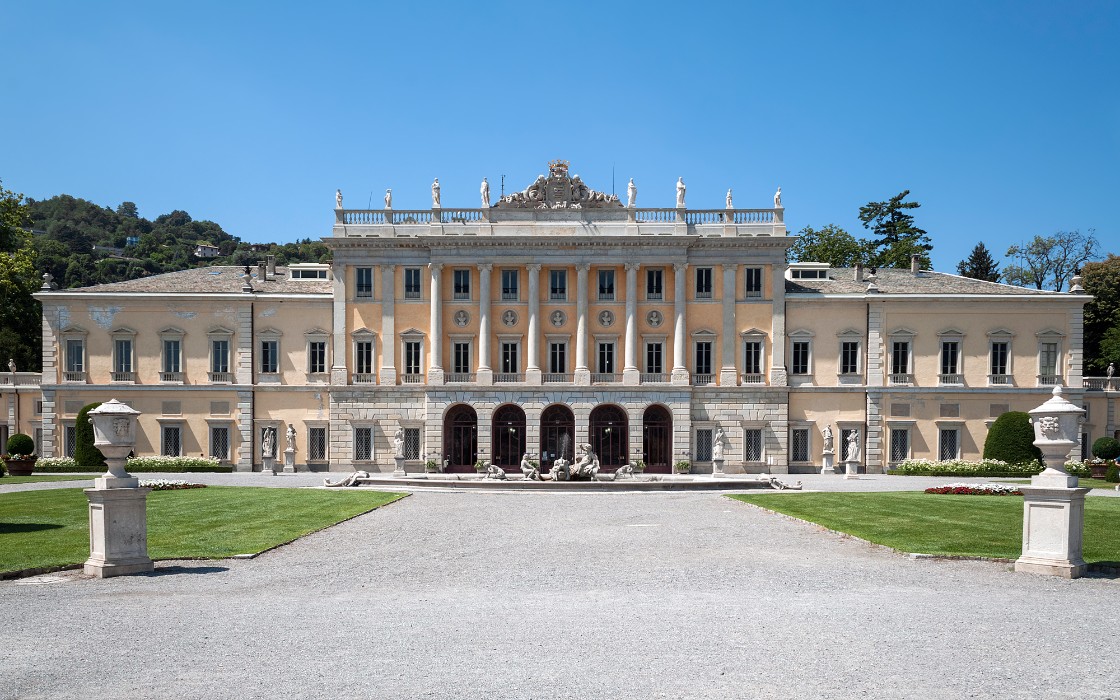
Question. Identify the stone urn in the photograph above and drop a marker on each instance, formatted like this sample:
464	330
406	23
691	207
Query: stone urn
21	467
114	434
1056	426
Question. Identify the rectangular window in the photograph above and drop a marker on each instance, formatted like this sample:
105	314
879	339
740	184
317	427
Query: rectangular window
363	357
754	282
219	355
703	283
999	359
460	357
270	356
558	285
412	357
799	445
1048	361
752	359
606	358
557	358
412	443
412	283
654	291
219	442
800	359
75	355
509	358
900	444
317	357
363	444
606	285
900	357
122	355
752	445
461	284
703	451
949	444
69	440
654	352
317	444
172	355
849	357
172	442
509	285
363	284
703	357
950	357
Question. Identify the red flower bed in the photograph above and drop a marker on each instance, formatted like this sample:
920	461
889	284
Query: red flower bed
973	491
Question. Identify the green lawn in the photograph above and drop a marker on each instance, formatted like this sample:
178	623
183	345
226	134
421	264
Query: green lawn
979	526
50	528
1082	482
45	477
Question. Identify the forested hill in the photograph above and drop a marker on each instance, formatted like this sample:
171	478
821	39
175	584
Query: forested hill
81	243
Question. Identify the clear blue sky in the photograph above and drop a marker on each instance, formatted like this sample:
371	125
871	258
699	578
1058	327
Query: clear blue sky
1001	117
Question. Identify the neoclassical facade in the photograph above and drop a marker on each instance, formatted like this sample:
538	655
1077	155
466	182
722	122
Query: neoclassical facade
554	317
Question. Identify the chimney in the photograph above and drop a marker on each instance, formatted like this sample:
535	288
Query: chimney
915	263
262	271
859	272
272	265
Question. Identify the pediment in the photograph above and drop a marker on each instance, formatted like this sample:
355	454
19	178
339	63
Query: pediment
558	191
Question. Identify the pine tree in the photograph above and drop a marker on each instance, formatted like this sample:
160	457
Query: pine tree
897	236
979	265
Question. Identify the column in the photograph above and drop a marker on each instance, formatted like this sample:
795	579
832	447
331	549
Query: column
388	373
583	373
532	356
778	376
727	374
338	352
680	372
631	376
435	326
485	374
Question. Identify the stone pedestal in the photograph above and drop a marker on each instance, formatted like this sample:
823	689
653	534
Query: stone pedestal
290	461
827	463
851	469
717	467
118	531
1053	522
399	471
268	466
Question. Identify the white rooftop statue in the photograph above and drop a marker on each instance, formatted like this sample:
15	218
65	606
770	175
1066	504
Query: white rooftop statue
338	199
435	193
729	204
778	199
680	193
485	192
389	199
631	194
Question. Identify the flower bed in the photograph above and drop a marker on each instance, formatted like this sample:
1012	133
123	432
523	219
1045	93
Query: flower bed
976	490
985	467
137	464
169	484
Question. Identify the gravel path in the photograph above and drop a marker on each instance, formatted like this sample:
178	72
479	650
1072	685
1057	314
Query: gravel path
493	595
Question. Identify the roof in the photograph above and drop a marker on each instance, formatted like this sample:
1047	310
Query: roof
218	279
841	280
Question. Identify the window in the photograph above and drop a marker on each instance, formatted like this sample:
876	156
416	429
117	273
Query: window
754	282
219	355
900	444
999	355
800	357
122	356
509	285
752	358
363	357
412	283
950	361
309	274
654	277
75	355
317	357
803	274
461	284
172	355
900	357
948	443
654	352
219	442
703	283
606	358
703	450
703	357
606	285
363	284
752	445
558	285
849	357
270	356
412	357
460	357
171	441
557	358
69	439
509	357
412	443
1048	362
363	444
799	445
317	443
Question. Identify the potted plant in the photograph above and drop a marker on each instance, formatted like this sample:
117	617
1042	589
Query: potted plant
1106	450
19	456
682	466
480	465
432	465
639	466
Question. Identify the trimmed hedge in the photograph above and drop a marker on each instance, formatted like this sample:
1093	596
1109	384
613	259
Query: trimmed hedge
85	453
987	468
1112	475
1011	439
66	465
1106	448
20	444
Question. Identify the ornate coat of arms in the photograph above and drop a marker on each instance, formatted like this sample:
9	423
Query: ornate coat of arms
558	191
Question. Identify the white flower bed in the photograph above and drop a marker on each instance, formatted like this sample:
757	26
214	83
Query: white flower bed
169	484
989	488
59	462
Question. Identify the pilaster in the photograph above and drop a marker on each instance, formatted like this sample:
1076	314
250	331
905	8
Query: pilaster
680	371
388	374
728	334
778	373
338	354
435	325
582	373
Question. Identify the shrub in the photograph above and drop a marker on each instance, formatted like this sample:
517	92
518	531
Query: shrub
85	454
1011	439
1112	475
20	444
1106	448
1079	469
141	465
960	467
682	466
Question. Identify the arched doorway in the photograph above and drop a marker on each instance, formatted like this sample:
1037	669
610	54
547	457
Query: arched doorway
460	438
608	431
657	439
558	432
508	431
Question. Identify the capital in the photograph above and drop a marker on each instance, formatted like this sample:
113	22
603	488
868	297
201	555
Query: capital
680	267
485	267
533	267
388	269
632	266
730	267
435	267
583	267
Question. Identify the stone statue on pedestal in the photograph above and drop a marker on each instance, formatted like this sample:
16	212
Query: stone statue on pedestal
485	192
435	193
291	436
389	199
631	194
530	472
828	438
268	443
729	204
338	199
778	199
853	446
680	193
398	442
717	444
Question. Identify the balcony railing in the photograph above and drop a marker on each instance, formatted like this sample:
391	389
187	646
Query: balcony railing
752	378
950	379
558	296
1101	383
901	379
703	379
557	378
122	377
460	377
364	378
459	216
21	379
220	377
508	377
375	217
652	216
412	294
171	377
999	380
461	296
654	296
412	378
704	295
74	376
510	296
603	377
653	378
606	296
1049	380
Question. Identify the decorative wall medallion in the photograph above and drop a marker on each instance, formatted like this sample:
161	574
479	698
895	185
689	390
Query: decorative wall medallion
654	318
462	318
509	317
606	318
558	318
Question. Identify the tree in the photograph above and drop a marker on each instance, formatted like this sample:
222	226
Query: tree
129	210
830	244
979	265
1011	439
1102	313
85	454
20	314
897	238
1050	260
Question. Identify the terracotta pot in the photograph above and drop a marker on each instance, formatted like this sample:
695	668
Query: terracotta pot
21	467
1098	470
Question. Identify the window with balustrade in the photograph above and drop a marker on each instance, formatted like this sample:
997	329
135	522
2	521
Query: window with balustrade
558	285
655	352
1049	358
557	357
461	284
606	285
900	360
606	357
950	361
849	357
461	357
510	279
753	362
702	357
172	361
412	283
363	282
999	362
655	290
510	350
703	283
753	277
317	356
800	357
122	359
363	356
412	365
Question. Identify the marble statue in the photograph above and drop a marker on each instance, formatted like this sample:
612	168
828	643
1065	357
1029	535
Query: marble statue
1108	373
530	472
778	484
680	193
853	446
493	471
729	204
717	444
559	471
338	199
12	366
587	465
485	192
778	199
268	443
291	436
435	193
389	199
631	194
828	438
626	471
351	480
398	442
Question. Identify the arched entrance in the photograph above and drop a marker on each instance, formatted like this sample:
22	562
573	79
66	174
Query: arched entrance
460	438
608	431
657	439
508	433
558	432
